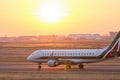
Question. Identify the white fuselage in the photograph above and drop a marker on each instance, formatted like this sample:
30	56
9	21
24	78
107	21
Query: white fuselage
72	55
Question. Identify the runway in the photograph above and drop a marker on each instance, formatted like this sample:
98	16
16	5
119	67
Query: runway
97	71
91	68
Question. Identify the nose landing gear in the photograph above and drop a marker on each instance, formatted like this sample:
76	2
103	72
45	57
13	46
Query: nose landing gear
39	67
81	66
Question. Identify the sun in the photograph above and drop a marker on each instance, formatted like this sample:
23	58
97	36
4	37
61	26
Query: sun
51	12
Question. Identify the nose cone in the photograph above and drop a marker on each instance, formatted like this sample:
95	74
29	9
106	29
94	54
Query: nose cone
29	58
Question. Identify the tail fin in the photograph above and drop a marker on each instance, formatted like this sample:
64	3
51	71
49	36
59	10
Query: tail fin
113	49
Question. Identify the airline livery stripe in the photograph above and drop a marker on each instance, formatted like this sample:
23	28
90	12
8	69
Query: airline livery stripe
69	57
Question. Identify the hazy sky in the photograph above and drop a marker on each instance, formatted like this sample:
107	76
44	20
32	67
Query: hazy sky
28	17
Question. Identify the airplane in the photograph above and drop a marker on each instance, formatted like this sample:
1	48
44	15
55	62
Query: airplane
78	57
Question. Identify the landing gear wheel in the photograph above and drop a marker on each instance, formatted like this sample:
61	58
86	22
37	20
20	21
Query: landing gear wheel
39	67
81	66
68	67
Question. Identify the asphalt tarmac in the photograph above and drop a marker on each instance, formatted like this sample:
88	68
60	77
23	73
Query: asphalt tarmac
92	68
94	71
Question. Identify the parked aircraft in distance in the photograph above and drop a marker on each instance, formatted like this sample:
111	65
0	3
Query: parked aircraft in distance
70	57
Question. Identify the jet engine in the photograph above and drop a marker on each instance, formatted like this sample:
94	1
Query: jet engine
53	63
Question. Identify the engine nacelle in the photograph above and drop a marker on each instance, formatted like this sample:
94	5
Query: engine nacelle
53	63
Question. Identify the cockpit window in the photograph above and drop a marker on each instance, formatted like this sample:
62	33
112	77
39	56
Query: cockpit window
32	54
38	51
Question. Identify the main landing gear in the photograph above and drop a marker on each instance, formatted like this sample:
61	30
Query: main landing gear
68	66
81	66
39	67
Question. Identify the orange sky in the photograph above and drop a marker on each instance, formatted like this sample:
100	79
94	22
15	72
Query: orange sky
20	17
